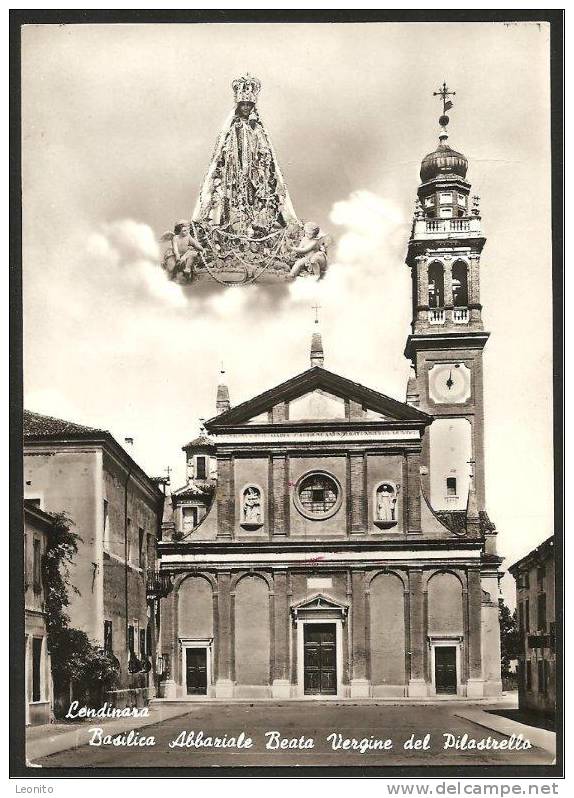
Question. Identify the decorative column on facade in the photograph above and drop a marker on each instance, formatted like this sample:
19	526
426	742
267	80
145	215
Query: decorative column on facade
170	643
474	287
360	687
448	298
280	488
281	687
422	285
417	678
224	683
357	479
475	684
225	497
413	492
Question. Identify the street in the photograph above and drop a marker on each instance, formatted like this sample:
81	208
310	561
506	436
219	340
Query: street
320	725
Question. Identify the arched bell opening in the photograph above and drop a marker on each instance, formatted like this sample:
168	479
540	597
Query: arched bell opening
436	285
460	284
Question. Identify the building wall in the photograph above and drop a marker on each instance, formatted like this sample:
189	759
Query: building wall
537	662
38	707
70	480
250	622
126	599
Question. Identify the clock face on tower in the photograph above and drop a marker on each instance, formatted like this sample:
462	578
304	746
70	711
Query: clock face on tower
449	383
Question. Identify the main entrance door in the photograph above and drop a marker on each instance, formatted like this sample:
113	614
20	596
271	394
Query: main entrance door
445	669
320	659
196	671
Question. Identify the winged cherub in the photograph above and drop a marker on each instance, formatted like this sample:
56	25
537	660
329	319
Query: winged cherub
179	257
313	252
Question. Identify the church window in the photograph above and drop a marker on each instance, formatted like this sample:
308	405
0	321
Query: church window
106	526
189	518
108	636
37	566
200	468
451	486
436	285
446	213
460	284
318	495
445	197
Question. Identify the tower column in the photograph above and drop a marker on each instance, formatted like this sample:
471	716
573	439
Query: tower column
422	277
474	287
448	298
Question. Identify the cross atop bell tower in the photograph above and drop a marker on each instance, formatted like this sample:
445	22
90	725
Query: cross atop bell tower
447	335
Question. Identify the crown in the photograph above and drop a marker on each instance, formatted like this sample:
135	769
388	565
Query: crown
246	89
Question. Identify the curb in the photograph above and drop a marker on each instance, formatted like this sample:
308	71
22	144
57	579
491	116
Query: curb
541	738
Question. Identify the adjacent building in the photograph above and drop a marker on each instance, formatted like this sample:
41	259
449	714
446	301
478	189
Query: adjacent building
117	511
536	610
37	527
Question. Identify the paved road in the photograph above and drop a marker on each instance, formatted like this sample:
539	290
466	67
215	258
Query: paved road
317	721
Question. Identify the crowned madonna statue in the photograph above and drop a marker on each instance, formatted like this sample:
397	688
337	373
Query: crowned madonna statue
244	227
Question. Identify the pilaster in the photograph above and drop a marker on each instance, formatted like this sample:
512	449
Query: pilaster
224	683
281	687
417	678
225	497
360	686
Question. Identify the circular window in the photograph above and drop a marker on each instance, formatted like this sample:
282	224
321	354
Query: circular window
318	495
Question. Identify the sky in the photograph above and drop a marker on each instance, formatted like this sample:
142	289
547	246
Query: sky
119	124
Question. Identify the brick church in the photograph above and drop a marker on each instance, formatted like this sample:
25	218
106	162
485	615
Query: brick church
333	541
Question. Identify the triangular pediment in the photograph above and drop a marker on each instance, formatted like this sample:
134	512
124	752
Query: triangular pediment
319	603
318	395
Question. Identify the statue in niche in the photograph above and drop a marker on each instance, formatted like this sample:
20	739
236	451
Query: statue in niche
312	250
387	502
252	506
179	257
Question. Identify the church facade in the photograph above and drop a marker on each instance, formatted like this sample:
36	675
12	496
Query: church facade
345	549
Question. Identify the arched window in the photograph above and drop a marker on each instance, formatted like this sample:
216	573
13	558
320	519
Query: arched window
460	284
385	510
251	507
436	285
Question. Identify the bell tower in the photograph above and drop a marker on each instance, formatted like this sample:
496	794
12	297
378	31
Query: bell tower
447	336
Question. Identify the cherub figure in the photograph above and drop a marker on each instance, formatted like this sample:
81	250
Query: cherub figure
313	252
179	257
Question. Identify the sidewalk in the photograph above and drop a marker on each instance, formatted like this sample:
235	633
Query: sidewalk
541	738
52	738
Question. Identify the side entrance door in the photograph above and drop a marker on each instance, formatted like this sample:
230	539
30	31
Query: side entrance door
196	671
445	669
320	659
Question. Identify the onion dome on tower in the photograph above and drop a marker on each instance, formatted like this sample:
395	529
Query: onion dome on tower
444	191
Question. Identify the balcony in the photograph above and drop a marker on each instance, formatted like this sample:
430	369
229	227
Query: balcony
437	315
465	226
158	584
460	315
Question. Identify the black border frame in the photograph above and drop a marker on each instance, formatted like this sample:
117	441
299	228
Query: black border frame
18	18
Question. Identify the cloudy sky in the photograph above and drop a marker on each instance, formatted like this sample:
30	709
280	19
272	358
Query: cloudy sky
119	123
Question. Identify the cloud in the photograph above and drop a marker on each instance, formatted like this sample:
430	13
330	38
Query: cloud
125	254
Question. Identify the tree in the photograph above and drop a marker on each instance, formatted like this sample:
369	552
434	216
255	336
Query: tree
76	660
509	638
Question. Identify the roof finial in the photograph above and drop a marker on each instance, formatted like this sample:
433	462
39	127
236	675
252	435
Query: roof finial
444	93
317	354
222	403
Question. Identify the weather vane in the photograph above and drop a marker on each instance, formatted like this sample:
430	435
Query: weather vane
444	93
